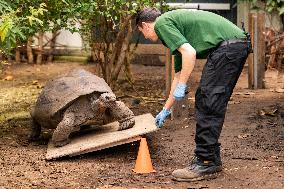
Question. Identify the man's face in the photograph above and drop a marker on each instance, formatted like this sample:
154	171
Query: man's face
148	31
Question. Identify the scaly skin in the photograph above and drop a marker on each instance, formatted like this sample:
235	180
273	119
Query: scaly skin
81	111
123	114
73	117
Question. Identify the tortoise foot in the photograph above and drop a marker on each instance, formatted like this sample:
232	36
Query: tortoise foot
126	124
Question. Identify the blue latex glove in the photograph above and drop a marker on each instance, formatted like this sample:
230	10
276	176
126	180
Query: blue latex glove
161	117
179	92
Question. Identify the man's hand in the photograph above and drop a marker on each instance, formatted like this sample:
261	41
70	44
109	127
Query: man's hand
179	92
161	117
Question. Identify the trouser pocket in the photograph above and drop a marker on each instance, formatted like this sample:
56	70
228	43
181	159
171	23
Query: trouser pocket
213	99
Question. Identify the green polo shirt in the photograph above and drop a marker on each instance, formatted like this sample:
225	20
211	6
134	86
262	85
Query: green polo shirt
203	30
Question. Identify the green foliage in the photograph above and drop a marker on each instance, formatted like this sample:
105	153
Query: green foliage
16	22
35	13
20	20
9	30
4	6
277	5
107	26
7	24
96	13
105	22
270	5
61	15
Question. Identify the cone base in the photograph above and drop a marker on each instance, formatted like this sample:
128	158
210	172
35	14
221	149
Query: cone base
143	171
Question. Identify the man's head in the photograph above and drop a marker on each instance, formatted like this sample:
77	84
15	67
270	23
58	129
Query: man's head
145	21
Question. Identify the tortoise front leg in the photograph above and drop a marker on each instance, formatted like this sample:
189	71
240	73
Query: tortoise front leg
61	134
123	115
36	129
126	123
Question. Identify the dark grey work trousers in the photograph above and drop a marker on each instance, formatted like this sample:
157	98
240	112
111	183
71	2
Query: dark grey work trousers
219	77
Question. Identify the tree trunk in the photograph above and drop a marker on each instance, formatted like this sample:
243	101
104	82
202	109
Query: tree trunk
97	49
52	46
129	56
123	54
127	70
9	59
108	67
111	55
17	55
282	21
119	41
279	63
30	51
40	48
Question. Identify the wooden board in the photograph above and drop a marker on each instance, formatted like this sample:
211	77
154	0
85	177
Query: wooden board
98	138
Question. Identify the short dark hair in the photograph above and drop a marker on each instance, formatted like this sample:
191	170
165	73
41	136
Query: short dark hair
147	15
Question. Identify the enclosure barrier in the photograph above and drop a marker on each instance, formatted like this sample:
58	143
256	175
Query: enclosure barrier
256	60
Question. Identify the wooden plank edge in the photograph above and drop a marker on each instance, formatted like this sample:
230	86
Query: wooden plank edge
129	140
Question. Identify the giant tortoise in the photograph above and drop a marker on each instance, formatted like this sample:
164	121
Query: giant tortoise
70	102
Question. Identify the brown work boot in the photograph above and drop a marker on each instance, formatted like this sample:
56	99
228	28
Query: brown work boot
198	170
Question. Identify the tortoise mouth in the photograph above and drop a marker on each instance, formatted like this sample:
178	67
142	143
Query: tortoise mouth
110	98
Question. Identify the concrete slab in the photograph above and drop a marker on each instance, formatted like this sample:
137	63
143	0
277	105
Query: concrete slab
101	137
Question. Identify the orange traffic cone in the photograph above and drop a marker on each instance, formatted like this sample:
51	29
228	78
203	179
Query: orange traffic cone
143	162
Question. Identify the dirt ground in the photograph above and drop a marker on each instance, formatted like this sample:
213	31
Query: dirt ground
252	137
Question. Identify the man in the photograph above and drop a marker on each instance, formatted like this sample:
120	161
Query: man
191	34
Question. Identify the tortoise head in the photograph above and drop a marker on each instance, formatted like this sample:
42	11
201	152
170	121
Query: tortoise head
107	98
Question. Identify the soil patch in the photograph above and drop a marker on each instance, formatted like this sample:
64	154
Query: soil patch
252	141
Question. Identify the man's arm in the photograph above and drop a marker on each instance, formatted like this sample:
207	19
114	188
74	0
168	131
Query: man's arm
179	82
171	100
188	61
161	117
